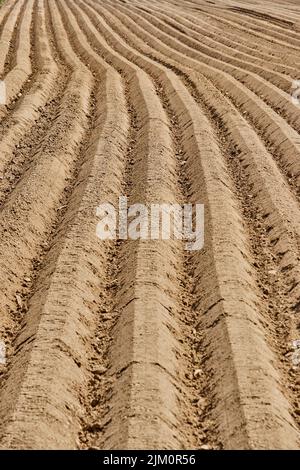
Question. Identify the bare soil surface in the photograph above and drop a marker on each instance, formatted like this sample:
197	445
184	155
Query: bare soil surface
141	344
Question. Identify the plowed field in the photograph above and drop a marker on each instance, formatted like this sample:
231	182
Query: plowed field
141	344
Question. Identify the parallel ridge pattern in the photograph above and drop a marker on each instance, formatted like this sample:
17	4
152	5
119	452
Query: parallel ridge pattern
140	344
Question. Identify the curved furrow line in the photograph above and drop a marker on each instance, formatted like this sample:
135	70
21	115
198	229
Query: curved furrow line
21	68
140	343
16	84
281	228
263	24
274	129
5	11
283	15
266	19
233	30
228	41
236	393
113	20
29	214
66	290
247	40
147	365
245	16
9	36
211	49
293	199
17	80
260	33
261	40
280	100
29	121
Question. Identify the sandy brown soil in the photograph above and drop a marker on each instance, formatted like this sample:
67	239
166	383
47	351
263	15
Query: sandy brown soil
142	344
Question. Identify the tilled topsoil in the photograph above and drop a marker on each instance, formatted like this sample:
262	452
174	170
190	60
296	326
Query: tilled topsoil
141	344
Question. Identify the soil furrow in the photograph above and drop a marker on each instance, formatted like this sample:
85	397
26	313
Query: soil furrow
20	68
5	11
135	340
273	88
258	32
20	75
102	157
282	32
242	35
29	214
227	41
26	125
267	386
275	97
285	142
135	356
291	282
188	37
10	36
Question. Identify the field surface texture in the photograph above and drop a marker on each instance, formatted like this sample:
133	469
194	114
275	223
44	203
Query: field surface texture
141	344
